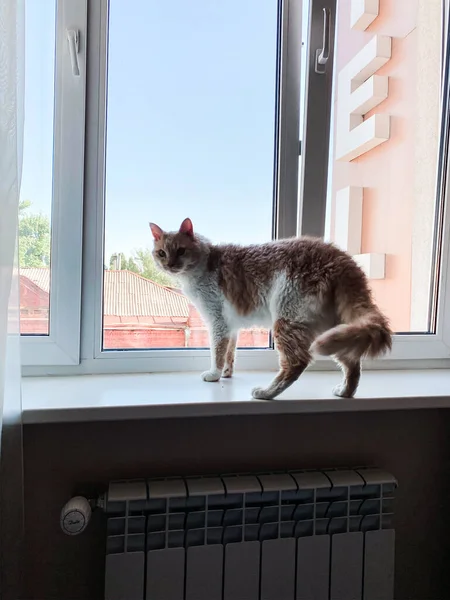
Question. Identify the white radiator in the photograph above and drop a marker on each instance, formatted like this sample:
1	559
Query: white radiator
311	535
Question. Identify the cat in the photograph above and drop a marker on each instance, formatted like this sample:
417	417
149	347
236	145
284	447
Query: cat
313	296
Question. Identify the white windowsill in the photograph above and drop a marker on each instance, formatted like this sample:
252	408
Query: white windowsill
160	395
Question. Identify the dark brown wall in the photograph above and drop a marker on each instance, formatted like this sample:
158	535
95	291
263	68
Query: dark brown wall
410	444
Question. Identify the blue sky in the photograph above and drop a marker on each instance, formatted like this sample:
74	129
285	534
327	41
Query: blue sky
191	101
39	96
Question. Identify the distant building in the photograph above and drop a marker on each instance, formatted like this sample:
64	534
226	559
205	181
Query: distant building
138	313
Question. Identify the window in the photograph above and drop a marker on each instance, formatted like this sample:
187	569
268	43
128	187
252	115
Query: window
37	172
50	236
256	118
393	233
387	158
195	134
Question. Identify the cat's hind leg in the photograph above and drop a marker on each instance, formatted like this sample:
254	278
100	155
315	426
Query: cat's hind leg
293	340
229	357
351	370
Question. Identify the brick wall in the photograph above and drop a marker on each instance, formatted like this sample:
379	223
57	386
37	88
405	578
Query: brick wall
135	332
34	323
32	296
143	338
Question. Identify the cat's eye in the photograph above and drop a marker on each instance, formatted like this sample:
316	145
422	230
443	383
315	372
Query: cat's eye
162	254
181	251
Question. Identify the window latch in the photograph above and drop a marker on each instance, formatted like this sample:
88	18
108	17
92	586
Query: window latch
323	54
74	49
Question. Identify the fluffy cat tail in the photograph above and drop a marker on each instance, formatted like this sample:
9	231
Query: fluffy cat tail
367	336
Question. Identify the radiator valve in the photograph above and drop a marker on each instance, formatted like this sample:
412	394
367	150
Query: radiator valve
75	515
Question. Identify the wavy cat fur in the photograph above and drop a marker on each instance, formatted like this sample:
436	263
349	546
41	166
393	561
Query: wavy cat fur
313	295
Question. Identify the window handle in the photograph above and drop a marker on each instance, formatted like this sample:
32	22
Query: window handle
74	48
323	54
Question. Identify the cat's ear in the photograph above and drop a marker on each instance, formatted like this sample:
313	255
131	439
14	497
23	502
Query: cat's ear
187	227
156	231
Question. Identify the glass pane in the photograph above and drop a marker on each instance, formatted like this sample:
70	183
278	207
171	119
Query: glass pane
190	132
384	153
37	173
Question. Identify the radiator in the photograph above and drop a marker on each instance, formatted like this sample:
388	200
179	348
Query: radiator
309	535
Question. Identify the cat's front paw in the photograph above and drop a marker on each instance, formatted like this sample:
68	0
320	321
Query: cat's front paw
211	375
342	391
261	394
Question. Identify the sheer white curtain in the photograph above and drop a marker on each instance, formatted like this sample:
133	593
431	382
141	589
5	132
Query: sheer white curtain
12	25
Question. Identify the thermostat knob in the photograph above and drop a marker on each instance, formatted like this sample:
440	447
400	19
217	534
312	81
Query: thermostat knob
75	515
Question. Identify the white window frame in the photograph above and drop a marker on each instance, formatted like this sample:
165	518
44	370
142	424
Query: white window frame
62	345
409	351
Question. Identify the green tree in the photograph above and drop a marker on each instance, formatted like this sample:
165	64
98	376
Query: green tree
148	268
143	264
131	265
120	261
23	205
34	237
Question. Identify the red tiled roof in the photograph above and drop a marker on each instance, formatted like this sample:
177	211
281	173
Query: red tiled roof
40	277
127	294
